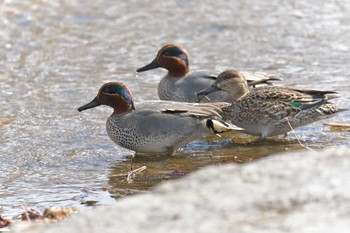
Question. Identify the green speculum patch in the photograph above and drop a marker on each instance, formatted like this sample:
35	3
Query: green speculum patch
296	104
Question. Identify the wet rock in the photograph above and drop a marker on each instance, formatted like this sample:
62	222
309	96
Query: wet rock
301	191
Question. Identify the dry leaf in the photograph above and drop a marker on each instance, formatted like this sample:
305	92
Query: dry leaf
58	213
4	222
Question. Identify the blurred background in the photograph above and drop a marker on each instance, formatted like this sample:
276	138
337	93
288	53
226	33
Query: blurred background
55	55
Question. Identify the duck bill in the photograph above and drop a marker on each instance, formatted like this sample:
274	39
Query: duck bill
153	65
207	91
92	104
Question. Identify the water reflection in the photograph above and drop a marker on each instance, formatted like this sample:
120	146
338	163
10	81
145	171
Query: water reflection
161	168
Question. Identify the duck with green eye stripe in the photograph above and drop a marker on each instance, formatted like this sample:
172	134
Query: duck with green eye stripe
156	126
270	110
180	85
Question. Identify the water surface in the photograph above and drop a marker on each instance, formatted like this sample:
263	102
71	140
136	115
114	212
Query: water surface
54	56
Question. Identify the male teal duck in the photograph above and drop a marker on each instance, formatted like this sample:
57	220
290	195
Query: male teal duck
156	126
180	85
270	110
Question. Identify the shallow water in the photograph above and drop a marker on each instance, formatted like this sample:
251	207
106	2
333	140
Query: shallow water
54	55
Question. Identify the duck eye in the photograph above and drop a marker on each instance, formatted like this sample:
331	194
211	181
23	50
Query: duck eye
109	91
173	51
112	89
116	89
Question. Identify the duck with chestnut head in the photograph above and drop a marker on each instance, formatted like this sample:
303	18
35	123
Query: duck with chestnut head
181	85
156	126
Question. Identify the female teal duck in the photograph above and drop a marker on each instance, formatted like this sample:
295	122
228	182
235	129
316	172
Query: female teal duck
180	85
270	110
156	126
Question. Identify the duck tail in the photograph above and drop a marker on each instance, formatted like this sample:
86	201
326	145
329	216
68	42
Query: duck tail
219	126
330	108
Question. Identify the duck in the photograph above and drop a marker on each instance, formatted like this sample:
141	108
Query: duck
181	85
267	111
156	126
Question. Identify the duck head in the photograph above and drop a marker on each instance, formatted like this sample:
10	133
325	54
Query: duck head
230	81
171	57
115	95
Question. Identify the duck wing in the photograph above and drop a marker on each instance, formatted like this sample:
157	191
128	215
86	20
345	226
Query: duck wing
295	97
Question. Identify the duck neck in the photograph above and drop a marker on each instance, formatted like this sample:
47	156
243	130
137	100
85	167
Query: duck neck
120	111
238	91
178	71
120	106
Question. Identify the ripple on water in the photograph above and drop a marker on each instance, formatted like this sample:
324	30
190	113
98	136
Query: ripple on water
56	54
